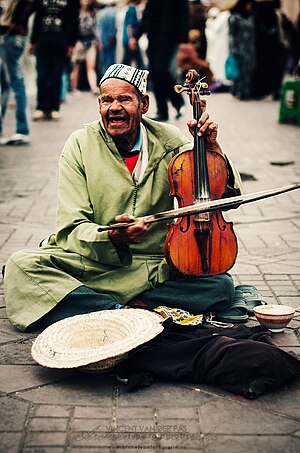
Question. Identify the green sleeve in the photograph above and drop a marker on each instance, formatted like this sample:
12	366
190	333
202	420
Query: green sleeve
76	230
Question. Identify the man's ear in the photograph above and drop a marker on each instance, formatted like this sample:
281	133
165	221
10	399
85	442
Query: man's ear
145	103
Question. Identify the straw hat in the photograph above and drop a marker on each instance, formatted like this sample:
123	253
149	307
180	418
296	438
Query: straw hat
96	341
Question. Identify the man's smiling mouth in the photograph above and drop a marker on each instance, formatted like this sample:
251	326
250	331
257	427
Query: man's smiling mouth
117	119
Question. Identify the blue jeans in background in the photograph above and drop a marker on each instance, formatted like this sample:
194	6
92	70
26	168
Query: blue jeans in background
11	50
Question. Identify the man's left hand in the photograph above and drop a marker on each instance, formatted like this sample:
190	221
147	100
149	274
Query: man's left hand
205	126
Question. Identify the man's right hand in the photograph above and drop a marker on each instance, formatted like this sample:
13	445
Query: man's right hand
131	235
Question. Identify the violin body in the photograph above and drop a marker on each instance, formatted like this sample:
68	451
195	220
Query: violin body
199	245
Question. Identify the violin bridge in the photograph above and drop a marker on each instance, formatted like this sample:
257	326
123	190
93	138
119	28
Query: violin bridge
203	217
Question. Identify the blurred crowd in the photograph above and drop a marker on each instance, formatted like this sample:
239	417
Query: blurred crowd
73	42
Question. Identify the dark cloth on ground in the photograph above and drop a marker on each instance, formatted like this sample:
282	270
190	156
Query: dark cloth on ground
241	360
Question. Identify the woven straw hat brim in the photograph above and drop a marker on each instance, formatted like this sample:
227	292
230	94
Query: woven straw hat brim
95	337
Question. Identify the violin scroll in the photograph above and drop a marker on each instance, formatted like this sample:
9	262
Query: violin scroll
193	85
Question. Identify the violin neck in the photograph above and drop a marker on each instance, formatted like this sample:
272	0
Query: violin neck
202	190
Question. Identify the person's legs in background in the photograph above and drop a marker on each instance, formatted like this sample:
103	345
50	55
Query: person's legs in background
13	48
50	63
160	57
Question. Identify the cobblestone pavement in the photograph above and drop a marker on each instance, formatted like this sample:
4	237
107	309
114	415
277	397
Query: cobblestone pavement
44	410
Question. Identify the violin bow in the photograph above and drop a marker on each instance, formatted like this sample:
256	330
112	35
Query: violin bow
206	206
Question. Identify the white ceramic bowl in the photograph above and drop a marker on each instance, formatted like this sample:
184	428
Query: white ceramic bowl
274	317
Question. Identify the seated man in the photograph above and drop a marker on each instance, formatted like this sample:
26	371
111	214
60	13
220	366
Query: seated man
112	169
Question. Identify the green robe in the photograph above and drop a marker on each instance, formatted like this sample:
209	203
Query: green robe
94	186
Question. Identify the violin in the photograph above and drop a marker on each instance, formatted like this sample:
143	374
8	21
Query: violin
203	244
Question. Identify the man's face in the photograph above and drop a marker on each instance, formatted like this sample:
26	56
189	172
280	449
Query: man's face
121	109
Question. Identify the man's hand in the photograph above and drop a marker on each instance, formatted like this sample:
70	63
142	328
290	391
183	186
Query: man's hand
205	126
131	235
132	43
31	49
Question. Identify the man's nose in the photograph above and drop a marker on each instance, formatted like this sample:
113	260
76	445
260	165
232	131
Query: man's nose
115	105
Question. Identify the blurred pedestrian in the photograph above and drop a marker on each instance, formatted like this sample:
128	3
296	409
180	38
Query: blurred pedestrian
86	48
54	33
217	35
188	57
272	36
106	21
166	23
13	38
197	25
242	46
131	49
295	46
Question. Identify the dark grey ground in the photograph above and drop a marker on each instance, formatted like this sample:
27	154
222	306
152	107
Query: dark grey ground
49	411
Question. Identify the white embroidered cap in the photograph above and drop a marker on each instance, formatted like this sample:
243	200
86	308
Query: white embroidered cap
137	77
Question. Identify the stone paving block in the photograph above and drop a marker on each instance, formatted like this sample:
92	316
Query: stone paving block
4	338
51	411
53	439
294	324
293	301
227	417
139	425
44	450
44	424
186	413
277	278
26	376
85	391
163	395
255	280
212	392
179	425
92	412
135	412
297	284
242	267
10	442
284	401
7	328
281	285
137	441
13	414
295	349
285	338
16	353
281	267
92	425
253	444
183	441
96	450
